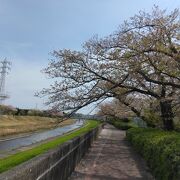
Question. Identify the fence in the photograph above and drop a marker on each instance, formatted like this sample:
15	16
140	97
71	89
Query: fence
56	164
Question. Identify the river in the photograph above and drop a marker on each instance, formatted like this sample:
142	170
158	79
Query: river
8	145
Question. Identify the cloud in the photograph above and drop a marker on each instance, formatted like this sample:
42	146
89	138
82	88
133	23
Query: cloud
23	81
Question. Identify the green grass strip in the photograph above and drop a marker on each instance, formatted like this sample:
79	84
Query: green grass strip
20	157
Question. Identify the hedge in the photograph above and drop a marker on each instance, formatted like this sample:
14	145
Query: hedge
160	149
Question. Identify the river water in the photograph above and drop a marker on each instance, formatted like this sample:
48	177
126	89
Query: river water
19	142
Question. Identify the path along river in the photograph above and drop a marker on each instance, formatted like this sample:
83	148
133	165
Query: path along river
8	145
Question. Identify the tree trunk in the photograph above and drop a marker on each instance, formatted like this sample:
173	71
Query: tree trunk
167	115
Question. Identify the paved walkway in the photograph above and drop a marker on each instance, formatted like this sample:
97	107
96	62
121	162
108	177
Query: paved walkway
111	158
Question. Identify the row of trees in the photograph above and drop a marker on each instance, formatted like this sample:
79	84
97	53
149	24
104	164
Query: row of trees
115	110
9	110
140	60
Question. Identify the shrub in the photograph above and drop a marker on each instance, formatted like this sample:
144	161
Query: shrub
34	112
125	120
177	123
7	110
152	118
160	149
123	125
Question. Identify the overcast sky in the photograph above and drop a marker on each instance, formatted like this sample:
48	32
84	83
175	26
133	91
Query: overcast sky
31	29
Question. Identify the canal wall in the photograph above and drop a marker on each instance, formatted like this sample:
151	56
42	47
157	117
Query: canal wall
56	164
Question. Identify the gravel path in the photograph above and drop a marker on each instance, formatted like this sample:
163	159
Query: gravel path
111	158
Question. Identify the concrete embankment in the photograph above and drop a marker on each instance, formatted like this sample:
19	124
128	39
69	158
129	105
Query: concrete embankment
55	164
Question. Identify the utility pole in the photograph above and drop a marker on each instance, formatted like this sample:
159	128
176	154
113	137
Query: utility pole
4	69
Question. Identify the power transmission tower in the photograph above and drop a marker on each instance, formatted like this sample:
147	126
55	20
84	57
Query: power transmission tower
4	69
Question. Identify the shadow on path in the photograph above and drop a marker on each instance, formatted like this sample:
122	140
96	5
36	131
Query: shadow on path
111	158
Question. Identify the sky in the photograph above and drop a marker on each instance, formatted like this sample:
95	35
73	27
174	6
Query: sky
31	29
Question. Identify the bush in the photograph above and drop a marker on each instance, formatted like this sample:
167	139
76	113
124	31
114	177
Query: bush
7	110
160	149
177	123
34	112
125	120
123	125
152	118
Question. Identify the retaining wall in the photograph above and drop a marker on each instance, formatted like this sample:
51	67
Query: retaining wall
56	164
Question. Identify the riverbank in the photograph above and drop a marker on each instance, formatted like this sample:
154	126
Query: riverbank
17	144
15	125
18	158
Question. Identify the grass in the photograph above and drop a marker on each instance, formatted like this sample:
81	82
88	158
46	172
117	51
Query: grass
18	158
11	125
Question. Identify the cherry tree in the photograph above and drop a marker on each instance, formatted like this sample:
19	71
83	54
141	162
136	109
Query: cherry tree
141	58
